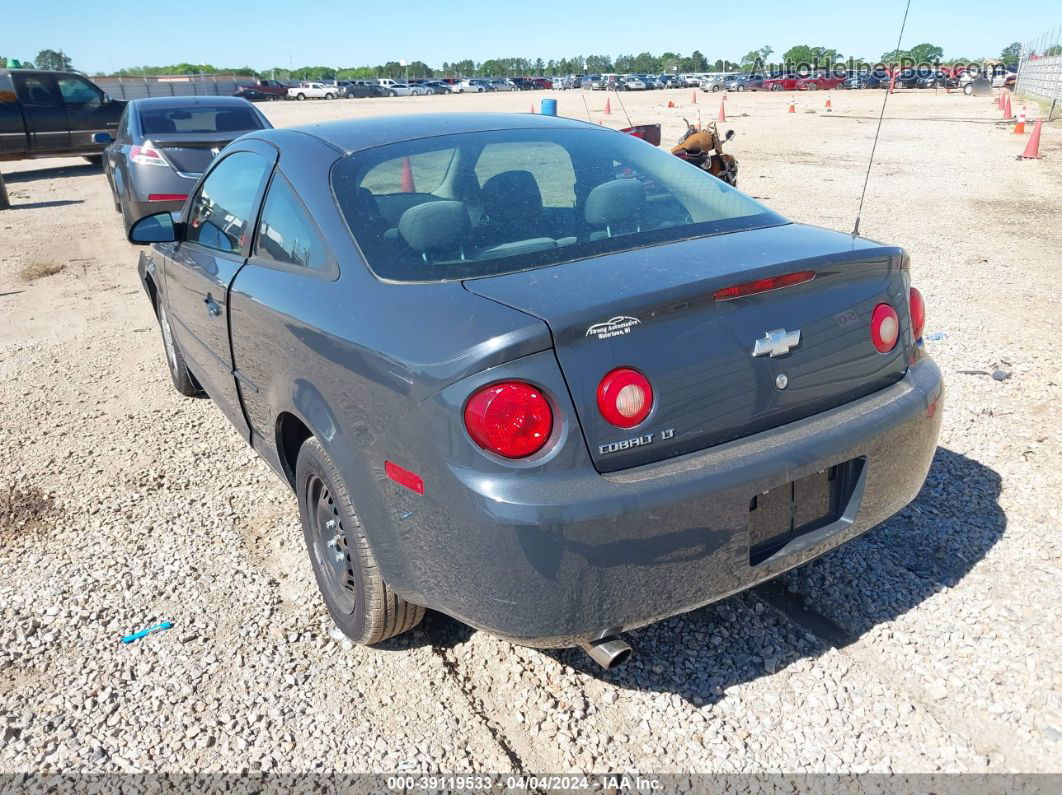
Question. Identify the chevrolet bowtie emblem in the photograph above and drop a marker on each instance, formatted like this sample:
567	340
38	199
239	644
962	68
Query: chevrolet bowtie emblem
776	343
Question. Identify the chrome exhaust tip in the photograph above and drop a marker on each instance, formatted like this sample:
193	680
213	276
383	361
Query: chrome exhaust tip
607	652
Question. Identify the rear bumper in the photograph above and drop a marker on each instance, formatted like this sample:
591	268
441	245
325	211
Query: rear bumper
558	562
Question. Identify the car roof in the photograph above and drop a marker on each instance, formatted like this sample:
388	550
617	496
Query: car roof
184	102
353	135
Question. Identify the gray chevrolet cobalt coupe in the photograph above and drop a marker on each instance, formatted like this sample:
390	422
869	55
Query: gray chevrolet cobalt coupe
537	374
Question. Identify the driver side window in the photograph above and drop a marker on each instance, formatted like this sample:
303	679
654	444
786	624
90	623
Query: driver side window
223	211
77	91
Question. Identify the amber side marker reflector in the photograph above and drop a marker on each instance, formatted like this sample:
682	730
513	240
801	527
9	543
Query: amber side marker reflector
763	285
403	477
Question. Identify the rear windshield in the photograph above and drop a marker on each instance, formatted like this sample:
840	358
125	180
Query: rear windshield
478	204
200	119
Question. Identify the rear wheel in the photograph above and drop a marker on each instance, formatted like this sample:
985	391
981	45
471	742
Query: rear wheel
392	93
715	88
813	86
300	97
96	160
183	380
776	87
739	87
361	604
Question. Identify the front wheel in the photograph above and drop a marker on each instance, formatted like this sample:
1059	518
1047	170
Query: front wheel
715	89
813	86
776	87
330	96
183	380
361	604
740	87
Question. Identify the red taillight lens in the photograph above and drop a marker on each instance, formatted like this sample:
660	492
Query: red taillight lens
884	328
512	419
167	197
146	156
624	397
763	285
918	312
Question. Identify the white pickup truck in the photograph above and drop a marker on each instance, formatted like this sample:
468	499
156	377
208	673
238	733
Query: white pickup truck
312	91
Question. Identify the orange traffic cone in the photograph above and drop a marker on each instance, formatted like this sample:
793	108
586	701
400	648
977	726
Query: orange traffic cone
694	100
670	104
999	100
1007	115
722	111
608	107
1019	128
829	105
1032	149
792	106
406	185
532	107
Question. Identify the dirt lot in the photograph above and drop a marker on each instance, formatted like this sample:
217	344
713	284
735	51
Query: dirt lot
931	644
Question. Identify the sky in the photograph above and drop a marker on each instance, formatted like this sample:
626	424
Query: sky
102	37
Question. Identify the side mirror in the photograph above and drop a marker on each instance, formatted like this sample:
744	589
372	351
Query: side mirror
157	228
102	138
107	98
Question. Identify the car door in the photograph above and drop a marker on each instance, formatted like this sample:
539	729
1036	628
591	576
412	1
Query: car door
88	111
43	109
290	267
114	156
219	221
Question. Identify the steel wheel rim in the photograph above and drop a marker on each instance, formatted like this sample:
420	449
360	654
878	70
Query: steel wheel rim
330	548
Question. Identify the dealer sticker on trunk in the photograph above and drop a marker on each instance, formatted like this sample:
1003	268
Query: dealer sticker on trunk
616	327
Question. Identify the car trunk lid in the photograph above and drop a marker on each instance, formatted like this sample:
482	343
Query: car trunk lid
654	310
192	153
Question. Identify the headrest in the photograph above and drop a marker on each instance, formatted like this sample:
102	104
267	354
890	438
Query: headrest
614	202
434	225
516	191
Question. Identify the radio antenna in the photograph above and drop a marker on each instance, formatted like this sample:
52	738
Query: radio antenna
623	107
589	118
884	102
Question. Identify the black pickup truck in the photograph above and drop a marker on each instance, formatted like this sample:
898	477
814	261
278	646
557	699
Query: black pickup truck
53	114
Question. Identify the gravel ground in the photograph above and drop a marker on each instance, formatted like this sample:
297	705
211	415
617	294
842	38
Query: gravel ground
928	645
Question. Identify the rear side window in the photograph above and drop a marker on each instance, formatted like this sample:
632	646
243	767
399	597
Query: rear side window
200	119
286	234
36	90
224	207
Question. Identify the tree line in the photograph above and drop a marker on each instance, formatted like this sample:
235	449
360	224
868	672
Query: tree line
643	63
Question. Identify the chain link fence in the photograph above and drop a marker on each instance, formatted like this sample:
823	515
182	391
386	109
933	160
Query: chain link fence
1040	69
172	85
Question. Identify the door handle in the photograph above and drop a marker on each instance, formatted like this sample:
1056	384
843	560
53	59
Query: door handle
212	306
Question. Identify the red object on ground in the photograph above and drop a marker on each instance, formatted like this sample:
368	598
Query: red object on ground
829	105
722	111
1032	149
1019	128
670	104
792	106
407	185
1007	115
532	107
694	100
608	107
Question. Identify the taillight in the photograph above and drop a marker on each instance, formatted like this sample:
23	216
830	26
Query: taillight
918	312
512	419
624	397
763	285
146	155
884	328
167	197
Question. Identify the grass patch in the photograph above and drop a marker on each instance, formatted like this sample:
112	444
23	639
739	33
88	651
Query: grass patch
40	269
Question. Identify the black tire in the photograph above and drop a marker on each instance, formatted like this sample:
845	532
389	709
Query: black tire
392	93
183	380
272	98
329	96
361	604
716	88
813	86
739	87
777	87
96	160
